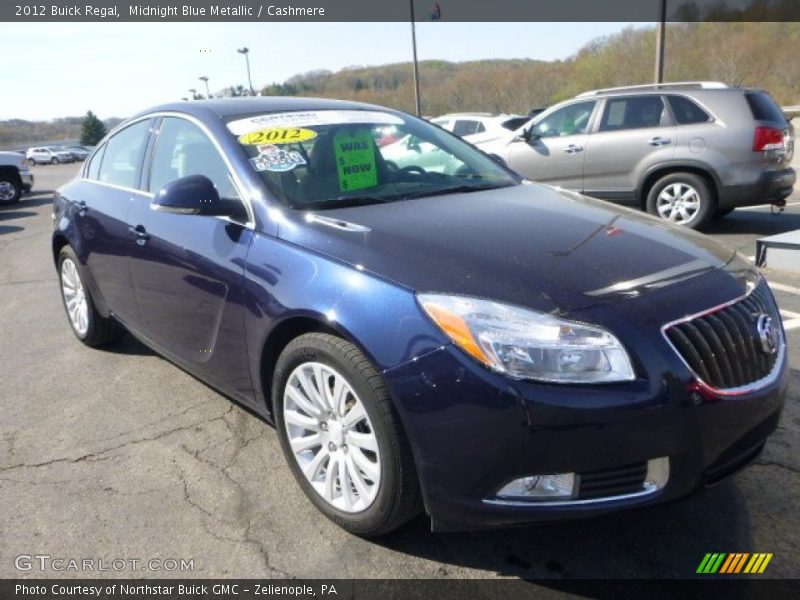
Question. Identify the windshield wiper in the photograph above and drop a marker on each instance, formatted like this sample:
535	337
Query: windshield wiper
343	202
457	189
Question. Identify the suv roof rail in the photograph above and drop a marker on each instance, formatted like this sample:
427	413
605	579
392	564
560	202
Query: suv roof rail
706	85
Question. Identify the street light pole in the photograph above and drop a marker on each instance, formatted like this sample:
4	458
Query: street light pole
205	80
660	35
194	93
416	67
246	52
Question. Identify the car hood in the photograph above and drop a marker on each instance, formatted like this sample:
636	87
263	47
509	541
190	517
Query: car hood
530	245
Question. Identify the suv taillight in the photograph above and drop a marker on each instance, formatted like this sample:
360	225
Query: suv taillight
767	138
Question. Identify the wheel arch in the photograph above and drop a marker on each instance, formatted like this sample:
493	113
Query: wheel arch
657	172
281	334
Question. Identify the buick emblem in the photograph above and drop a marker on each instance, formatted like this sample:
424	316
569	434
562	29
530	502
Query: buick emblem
767	334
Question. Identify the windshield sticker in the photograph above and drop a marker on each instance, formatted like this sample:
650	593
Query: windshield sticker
311	118
278	135
272	158
355	159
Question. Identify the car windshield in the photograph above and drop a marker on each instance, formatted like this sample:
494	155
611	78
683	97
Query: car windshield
333	158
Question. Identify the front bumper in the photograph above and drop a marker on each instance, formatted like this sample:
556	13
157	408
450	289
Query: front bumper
27	180
772	187
473	431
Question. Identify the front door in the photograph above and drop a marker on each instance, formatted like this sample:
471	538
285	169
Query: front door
188	270
554	154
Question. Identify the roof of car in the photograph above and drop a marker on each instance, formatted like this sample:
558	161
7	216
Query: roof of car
231	107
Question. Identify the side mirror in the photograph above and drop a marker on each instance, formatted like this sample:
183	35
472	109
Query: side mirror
413	143
195	195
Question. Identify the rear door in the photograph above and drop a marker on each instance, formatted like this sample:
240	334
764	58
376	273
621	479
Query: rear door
555	152
634	133
112	179
188	270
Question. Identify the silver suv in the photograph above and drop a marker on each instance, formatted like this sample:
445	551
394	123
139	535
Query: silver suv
687	152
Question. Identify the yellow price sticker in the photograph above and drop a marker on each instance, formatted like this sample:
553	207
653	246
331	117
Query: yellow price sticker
279	135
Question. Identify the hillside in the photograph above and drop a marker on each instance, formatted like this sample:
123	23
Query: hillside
19	133
757	54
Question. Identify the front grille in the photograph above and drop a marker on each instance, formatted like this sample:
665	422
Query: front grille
628	479
723	347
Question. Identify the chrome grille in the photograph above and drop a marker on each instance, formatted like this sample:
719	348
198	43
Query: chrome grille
722	346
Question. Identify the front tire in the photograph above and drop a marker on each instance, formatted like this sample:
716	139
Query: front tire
88	325
341	436
10	190
682	199
54	160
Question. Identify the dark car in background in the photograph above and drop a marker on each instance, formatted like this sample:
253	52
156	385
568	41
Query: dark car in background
450	339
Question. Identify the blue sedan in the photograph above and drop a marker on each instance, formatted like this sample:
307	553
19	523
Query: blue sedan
425	329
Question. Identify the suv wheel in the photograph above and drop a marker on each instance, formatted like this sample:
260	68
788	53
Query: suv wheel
54	160
341	435
683	199
10	189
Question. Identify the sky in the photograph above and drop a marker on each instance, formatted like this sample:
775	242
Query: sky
118	69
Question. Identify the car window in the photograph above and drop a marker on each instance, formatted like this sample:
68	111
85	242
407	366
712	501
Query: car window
515	123
122	160
764	107
93	169
467	127
320	159
632	112
183	149
687	112
568	120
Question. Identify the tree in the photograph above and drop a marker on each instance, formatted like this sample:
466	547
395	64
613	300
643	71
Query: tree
92	130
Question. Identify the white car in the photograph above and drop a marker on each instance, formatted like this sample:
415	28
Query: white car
49	156
479	128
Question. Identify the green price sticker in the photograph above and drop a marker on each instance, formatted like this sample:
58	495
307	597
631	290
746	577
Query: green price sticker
355	160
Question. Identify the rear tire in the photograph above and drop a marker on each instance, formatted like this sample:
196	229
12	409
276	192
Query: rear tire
54	160
88	325
682	199
365	498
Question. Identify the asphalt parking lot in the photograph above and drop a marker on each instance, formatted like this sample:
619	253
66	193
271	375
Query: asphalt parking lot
116	453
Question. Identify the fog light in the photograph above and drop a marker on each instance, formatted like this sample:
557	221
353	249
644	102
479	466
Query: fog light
560	485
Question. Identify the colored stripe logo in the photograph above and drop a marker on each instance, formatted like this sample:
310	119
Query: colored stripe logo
734	563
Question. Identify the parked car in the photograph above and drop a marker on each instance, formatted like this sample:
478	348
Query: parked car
49	156
15	177
494	351
78	152
685	152
477	128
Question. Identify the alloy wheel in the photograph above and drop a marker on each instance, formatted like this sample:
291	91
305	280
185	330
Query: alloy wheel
678	203
7	191
331	437
74	297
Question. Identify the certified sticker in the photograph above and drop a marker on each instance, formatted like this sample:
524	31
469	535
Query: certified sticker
273	158
310	118
278	135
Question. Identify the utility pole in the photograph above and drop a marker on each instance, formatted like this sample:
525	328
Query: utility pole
416	66
660	35
246	52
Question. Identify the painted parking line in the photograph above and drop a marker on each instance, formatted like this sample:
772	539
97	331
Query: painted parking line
782	287
791	319
760	206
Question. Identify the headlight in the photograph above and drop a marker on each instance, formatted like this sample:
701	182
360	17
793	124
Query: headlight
526	344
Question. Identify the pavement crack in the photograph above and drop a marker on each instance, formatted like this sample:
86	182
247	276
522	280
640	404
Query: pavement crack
99	454
772	463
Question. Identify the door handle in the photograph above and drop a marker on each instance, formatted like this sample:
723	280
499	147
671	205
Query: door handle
659	141
141	234
573	149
